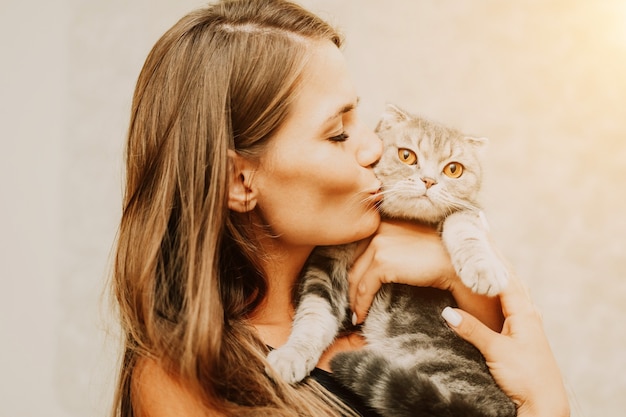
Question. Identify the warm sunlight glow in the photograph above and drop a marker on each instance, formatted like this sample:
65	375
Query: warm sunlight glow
613	22
621	23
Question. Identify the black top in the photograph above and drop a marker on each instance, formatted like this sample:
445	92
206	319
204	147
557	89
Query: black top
349	398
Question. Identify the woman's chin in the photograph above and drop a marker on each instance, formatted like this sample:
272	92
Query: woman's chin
362	227
368	227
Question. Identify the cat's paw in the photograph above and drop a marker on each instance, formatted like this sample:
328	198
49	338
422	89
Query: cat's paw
290	363
485	275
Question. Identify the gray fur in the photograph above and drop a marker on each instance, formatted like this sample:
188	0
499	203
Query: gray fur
414	364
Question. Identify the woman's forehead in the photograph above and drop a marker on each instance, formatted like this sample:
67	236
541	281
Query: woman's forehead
326	90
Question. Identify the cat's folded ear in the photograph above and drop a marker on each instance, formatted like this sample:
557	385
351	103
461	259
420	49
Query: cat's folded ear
391	116
478	143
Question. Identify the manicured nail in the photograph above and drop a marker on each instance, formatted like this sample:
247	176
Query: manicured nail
354	319
452	317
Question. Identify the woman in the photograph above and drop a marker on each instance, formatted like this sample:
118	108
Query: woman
244	153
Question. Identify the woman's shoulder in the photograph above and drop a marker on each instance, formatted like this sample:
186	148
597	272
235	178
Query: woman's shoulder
155	392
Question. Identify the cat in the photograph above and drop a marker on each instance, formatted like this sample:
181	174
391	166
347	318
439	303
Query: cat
413	363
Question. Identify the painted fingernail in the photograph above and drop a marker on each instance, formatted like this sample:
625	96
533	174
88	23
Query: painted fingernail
452	317
354	319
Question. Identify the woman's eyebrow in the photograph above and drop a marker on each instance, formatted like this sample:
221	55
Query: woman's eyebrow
344	109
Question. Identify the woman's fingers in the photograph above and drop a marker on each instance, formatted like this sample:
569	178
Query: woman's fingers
400	252
470	328
363	285
520	355
515	298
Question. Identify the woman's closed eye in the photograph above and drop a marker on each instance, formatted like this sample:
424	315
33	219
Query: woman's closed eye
342	137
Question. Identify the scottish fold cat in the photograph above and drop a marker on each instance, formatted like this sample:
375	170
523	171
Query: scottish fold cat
413	363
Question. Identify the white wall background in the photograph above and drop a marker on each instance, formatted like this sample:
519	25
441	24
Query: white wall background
545	80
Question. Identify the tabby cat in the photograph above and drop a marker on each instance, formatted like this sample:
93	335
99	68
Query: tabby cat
413	364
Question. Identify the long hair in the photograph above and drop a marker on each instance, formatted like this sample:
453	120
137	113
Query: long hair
186	270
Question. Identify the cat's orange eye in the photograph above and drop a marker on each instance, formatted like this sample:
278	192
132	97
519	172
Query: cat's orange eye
453	170
407	156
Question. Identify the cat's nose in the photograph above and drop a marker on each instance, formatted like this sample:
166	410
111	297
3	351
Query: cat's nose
429	182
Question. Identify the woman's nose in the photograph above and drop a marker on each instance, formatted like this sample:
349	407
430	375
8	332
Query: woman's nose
371	149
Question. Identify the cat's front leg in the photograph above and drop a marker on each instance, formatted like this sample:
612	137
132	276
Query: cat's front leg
320	312
314	329
473	256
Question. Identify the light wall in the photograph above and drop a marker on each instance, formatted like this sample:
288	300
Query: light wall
545	81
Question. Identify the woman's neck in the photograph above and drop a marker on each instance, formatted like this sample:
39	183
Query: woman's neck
274	316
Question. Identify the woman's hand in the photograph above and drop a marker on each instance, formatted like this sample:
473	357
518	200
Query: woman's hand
400	252
413	254
519	358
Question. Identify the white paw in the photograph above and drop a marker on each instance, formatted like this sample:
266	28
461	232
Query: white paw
485	275
290	363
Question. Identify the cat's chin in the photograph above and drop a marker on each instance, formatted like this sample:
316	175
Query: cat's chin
421	209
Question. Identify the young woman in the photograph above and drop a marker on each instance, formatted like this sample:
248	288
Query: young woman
245	151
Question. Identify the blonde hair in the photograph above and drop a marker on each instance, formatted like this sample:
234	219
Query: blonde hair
186	271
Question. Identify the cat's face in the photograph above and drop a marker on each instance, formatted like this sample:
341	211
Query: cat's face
427	170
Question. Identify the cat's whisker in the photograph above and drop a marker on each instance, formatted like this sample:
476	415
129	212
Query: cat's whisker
453	204
365	198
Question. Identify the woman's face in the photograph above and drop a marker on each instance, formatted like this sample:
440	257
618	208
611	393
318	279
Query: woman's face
316	185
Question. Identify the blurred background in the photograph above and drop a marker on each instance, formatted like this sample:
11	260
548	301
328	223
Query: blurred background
544	80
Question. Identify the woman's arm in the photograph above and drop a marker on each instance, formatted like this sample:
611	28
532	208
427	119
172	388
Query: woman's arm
413	254
519	358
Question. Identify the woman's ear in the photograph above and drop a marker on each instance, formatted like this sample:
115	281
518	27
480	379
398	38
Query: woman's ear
241	194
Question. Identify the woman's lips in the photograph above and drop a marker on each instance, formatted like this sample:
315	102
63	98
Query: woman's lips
377	195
